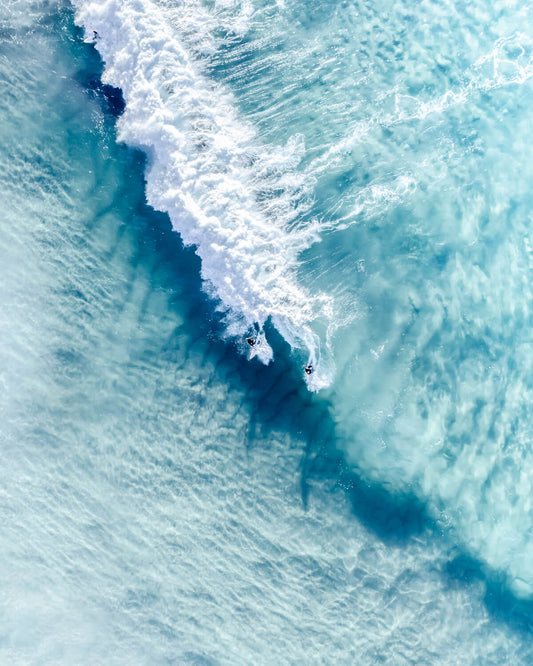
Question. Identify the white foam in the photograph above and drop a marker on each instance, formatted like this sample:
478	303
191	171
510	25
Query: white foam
207	169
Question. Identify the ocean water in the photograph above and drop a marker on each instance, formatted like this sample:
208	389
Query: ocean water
351	183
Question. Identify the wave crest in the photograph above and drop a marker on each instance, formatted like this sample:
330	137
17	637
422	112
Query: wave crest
226	194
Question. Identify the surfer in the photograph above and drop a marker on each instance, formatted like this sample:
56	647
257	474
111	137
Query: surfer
308	369
95	35
251	341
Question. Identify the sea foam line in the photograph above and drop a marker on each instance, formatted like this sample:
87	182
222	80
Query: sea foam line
208	171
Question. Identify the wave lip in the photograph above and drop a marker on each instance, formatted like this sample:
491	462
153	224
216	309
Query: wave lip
227	195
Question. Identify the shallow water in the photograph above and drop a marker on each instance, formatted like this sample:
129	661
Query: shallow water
163	500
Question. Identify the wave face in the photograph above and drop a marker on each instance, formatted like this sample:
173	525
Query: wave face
400	188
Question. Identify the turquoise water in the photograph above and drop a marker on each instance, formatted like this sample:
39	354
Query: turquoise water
163	498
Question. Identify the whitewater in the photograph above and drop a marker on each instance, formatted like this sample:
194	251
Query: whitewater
350	184
227	195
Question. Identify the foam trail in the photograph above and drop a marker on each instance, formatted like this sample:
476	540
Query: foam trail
208	171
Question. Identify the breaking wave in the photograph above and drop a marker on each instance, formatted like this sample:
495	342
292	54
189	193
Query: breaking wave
232	198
